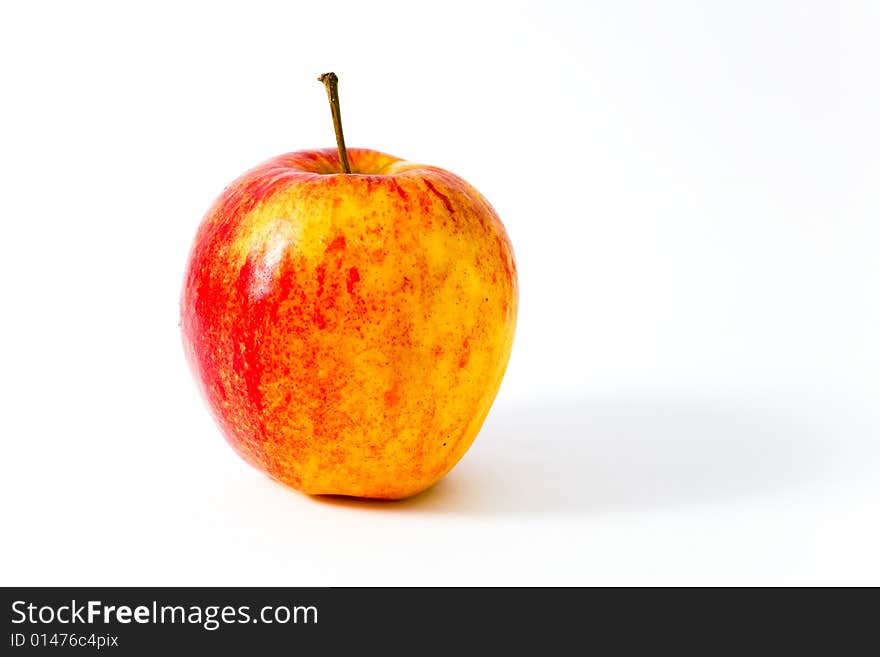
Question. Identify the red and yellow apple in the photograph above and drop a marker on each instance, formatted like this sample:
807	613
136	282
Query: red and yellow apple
350	330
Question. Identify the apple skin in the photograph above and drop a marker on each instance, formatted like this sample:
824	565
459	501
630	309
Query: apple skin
350	331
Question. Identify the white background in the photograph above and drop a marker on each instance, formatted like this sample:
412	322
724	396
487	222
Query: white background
692	192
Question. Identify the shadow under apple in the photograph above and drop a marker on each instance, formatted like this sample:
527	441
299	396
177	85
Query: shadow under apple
592	455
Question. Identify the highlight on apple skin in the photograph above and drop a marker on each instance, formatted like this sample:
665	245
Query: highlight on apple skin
349	331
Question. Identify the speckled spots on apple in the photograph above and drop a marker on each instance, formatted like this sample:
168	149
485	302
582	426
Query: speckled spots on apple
350	332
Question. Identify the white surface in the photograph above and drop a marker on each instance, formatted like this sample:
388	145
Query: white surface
692	193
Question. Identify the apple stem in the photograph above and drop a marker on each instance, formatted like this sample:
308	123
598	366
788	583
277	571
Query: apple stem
331	82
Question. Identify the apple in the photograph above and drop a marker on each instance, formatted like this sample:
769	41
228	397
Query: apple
349	317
